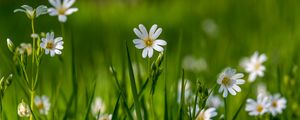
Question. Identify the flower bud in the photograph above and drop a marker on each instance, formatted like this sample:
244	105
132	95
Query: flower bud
10	45
23	110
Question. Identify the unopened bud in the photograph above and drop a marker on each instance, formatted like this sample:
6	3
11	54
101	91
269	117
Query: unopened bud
23	110
10	45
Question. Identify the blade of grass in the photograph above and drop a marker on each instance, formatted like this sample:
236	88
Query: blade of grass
90	100
182	97
166	115
115	113
133	86
241	106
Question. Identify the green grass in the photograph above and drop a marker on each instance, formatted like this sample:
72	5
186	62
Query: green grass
95	40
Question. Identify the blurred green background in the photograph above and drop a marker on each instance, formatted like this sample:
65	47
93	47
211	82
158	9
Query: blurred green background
222	32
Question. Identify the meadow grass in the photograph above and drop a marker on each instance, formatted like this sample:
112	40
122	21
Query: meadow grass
99	58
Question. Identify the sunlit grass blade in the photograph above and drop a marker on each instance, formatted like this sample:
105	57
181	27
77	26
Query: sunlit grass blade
242	105
133	86
90	100
115	113
181	112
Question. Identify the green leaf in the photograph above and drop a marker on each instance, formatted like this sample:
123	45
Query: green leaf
133	86
115	113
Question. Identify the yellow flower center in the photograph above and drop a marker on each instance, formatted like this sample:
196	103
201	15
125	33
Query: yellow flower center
257	66
259	108
226	81
50	45
274	104
61	10
201	116
148	42
40	106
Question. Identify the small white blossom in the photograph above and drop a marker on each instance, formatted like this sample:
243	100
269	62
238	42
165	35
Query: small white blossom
278	104
229	81
98	107
32	13
23	110
262	89
210	27
25	47
258	107
43	104
214	101
207	114
62	9
105	117
52	45
148	41
254	66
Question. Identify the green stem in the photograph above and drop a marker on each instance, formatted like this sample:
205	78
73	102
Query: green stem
32	70
225	107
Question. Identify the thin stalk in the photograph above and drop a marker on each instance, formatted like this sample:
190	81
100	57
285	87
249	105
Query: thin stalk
225	108
31	103
32	70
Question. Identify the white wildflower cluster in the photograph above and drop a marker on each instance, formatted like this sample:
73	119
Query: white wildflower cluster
266	104
98	110
43	104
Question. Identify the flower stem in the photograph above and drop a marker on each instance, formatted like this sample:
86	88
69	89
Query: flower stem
32	70
225	106
31	104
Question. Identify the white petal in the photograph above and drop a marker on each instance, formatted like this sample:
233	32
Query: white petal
47	51
52	12
221	88
237	76
225	93
52	53
71	10
262	58
68	3
59	47
140	46
143	30
160	42
150	52
239	81
232	92
156	34
58	39
237	88
53	2
145	52
43	45
138	41
252	76
138	33
62	18
58	52
158	48
152	30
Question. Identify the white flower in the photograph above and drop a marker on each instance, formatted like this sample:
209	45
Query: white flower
43	104
194	64
254	66
105	117
148	41
277	104
98	107
262	89
214	101
52	45
258	107
207	114
187	89
229	81
210	27
25	47
32	13
62	9
23	110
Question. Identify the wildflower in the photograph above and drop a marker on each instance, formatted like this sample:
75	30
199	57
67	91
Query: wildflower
254	66
52	45
262	89
277	104
207	114
25	47
43	104
148	41
187	90
62	9
23	110
32	13
34	35
258	107
105	117
98	107
10	45
214	101
229	81
210	27
193	64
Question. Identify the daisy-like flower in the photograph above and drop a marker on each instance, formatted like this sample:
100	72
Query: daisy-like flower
43	104
148	41
229	81
25	47
105	117
278	104
62	9
52	45
258	107
207	114
255	66
23	110
98	107
214	101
